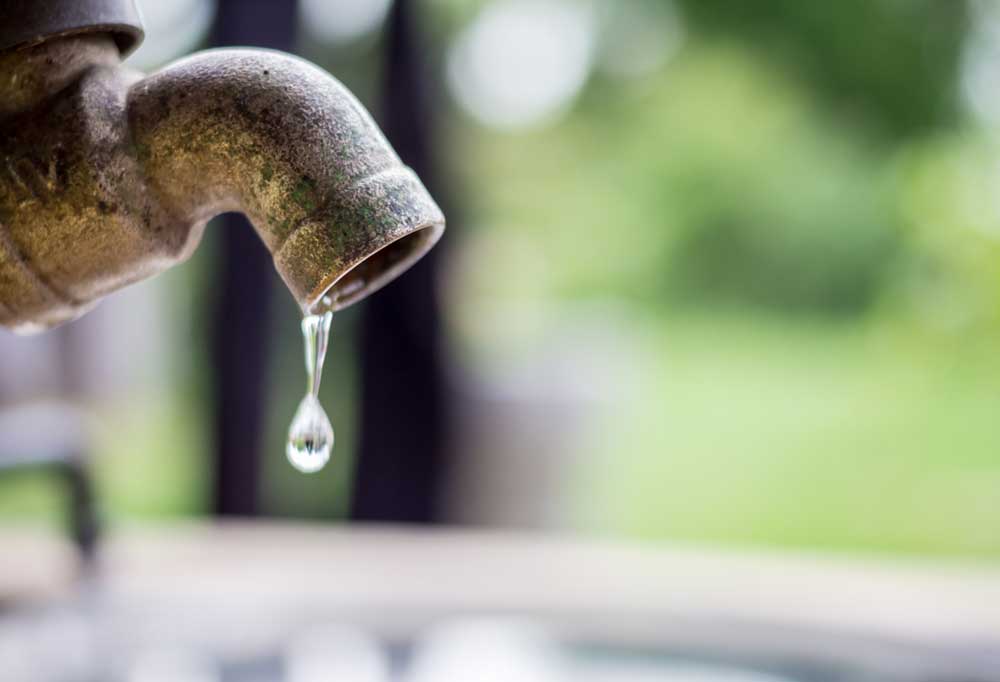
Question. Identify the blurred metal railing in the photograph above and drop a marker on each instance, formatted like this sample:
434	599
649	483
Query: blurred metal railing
52	437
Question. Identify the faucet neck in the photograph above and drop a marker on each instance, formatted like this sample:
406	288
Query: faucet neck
32	74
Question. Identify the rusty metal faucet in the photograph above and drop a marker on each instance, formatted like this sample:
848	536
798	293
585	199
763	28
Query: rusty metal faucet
108	177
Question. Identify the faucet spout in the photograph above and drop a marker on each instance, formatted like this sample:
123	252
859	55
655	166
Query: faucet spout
112	178
279	139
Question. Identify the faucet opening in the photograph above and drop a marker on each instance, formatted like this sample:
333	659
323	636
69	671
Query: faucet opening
377	269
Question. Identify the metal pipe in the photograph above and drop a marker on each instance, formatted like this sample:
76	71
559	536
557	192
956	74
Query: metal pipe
107	177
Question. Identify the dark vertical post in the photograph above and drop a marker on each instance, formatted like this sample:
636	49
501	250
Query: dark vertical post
84	522
84	519
402	382
242	291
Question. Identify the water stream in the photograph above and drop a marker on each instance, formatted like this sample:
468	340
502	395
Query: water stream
310	437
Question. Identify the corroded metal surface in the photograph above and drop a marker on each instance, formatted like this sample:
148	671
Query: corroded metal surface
107	177
26	22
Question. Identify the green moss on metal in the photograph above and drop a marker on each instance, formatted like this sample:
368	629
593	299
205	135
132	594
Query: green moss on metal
304	194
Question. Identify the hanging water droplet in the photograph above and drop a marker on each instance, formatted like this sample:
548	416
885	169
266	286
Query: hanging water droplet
310	437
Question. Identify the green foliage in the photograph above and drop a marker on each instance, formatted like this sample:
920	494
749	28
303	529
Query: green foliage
806	240
779	205
947	277
717	181
890	62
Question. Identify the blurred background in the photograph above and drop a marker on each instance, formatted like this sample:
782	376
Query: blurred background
715	272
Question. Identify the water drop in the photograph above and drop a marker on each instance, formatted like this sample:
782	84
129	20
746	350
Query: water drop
310	437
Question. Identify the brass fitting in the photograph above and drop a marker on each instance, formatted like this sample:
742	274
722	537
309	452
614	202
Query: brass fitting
108	177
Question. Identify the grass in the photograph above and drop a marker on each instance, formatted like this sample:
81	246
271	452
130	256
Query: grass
809	433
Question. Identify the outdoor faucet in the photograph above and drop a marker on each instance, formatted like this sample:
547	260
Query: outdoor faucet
108	177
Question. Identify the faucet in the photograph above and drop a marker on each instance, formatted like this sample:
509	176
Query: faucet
108	177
